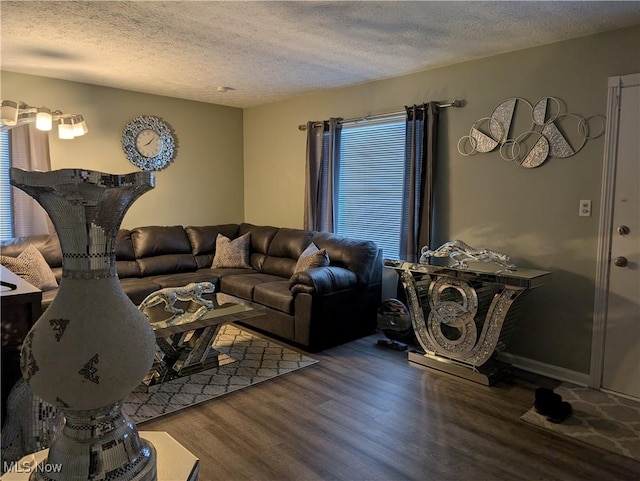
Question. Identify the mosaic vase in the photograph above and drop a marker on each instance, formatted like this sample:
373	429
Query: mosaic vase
92	346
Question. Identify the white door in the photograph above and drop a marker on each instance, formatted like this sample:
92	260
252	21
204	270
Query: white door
621	360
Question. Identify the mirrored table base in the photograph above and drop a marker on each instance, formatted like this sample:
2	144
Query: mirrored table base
488	374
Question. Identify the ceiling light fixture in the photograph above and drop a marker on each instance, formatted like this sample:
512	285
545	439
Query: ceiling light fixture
13	114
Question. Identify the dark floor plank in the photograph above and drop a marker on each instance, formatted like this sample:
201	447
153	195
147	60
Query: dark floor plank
362	413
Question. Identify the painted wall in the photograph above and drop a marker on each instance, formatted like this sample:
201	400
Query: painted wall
204	183
531	214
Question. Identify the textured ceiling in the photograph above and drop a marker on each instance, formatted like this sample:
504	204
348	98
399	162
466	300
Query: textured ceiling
269	51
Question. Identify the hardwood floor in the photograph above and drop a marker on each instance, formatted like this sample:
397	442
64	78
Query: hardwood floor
362	413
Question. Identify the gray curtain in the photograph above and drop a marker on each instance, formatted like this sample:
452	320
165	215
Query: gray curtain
323	147
29	151
420	154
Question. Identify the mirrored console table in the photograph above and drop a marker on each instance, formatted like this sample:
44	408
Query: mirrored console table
463	317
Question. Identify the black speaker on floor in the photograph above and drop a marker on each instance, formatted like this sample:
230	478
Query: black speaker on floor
394	321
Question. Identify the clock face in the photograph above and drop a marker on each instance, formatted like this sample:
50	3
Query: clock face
148	143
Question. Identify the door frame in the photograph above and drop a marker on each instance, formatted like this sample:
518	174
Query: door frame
603	260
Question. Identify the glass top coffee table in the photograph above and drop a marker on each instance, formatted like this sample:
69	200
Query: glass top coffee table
185	340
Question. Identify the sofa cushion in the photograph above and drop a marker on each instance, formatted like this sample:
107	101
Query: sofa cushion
126	265
156	240
32	267
275	295
127	269
166	264
278	266
137	289
48	297
243	285
358	256
323	280
221	272
57	271
203	240
312	257
289	243
48	245
182	279
124	246
261	237
232	253
162	250
284	250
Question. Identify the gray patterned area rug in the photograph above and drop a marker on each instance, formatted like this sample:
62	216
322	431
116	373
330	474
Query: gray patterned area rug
600	419
259	359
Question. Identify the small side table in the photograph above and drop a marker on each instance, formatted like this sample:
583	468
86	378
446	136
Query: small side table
174	461
21	308
463	317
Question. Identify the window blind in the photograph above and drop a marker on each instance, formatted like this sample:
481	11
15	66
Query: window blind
370	182
6	216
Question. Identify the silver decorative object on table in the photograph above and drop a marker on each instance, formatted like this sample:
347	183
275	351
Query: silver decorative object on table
192	292
463	318
461	253
92	346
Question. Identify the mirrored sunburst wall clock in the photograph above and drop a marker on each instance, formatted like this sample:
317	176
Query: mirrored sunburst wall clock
149	143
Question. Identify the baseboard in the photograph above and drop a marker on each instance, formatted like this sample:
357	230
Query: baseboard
548	370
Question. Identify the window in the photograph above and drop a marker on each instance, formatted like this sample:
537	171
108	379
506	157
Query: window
370	182
6	216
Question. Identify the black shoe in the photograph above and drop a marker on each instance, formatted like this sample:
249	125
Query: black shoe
560	412
550	405
545	401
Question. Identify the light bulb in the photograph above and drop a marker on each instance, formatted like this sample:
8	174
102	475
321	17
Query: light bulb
79	126
26	114
65	129
44	120
9	112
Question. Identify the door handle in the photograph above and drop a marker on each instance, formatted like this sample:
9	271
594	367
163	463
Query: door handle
620	261
623	230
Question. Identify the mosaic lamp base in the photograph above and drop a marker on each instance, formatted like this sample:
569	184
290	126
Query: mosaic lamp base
101	444
92	346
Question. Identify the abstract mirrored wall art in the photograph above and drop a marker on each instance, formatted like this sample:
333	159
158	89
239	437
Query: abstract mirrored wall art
547	136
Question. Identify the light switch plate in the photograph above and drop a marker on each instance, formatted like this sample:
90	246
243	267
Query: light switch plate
585	208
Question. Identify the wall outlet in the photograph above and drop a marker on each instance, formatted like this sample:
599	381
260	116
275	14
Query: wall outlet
585	208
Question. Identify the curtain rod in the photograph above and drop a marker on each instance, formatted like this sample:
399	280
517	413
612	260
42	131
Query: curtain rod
455	103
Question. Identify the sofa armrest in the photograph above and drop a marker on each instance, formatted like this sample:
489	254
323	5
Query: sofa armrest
323	280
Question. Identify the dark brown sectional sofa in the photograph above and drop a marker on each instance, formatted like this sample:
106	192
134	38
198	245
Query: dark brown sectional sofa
313	309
